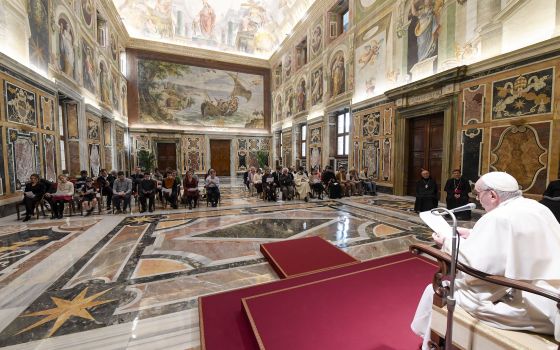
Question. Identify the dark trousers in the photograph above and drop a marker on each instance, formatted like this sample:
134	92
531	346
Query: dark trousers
118	199
171	198
269	191
109	194
30	204
213	194
150	199
58	208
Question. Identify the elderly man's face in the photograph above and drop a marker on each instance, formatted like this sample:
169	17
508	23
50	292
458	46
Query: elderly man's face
487	198
425	174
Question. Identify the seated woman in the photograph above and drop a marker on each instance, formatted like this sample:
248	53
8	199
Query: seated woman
367	181
354	179
170	190
33	193
257	182
302	184
212	188
287	185
190	188
89	196
64	194
316	183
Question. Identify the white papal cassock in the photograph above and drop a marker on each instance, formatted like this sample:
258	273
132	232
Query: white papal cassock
519	239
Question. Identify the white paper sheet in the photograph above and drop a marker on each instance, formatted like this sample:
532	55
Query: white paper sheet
436	223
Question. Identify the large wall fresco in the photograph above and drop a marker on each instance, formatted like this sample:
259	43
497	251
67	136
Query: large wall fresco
39	39
186	95
254	27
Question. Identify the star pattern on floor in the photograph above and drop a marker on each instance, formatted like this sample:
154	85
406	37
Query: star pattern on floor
141	220
65	309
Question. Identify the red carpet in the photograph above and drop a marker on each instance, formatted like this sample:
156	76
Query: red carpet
224	325
368	309
305	255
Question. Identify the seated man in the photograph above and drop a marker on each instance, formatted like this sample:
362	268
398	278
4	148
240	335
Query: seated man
213	188
170	189
105	188
518	238
147	188
136	177
270	184
89	196
286	184
122	190
33	193
355	183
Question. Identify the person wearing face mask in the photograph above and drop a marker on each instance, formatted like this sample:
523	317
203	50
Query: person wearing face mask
517	238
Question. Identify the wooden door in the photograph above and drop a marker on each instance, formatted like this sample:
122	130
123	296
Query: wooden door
166	156
425	149
220	156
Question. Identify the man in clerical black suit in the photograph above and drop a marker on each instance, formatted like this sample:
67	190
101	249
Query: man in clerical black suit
458	189
426	193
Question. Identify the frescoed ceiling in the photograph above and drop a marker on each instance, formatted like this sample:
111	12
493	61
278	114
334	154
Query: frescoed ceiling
245	27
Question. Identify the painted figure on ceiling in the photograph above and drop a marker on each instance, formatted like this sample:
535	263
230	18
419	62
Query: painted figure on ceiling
104	84
317	87
207	19
337	73
66	47
371	53
301	96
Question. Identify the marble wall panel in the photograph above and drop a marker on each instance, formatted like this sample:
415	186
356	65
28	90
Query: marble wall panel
108	158
49	157
387	151
74	157
2	173
193	149
20	105
371	123
473	104
287	149
315	158
523	95
107	139
93	128
471	159
48	115
388	121
94	159
72	121
23	157
522	151
370	157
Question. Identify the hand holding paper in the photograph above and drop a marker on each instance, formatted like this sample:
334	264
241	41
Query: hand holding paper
438	224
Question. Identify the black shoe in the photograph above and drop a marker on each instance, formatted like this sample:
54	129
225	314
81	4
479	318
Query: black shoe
306	199
60	216
190	206
27	218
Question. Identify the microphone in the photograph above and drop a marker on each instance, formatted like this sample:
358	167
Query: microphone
470	206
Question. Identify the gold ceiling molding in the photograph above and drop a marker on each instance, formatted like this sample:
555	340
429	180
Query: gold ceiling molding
156	46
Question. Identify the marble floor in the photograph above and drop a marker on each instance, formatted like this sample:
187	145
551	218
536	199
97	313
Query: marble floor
132	281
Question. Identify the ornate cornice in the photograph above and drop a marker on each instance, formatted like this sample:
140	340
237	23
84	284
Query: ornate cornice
116	21
156	46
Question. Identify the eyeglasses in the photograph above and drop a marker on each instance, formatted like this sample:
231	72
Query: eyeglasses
478	193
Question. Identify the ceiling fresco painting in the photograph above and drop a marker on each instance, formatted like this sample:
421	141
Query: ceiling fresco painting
247	27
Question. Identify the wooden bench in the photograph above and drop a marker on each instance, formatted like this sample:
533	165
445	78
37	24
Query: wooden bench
469	332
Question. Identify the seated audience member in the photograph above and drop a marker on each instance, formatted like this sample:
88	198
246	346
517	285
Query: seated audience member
190	188
212	186
427	193
105	186
80	181
170	190
316	183
518	238
159	179
177	178
248	177
33	193
367	181
136	177
50	187
122	190
89	196
355	183
458	189
286	184
270	184
551	198
257	182
341	178
147	188
64	194
302	184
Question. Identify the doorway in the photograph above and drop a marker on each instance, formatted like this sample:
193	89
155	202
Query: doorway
425	149
220	156
166	156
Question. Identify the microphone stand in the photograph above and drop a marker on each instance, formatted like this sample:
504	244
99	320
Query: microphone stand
450	300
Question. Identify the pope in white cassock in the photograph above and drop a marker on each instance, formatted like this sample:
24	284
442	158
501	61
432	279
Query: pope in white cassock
518	238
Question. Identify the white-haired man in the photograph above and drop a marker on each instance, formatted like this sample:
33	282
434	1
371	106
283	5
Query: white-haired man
517	238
